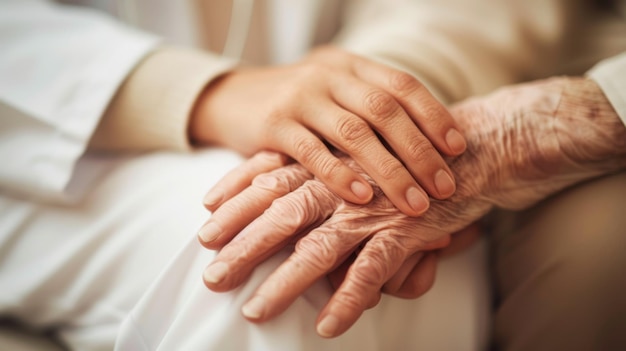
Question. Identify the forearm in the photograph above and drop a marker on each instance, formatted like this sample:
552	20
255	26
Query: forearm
591	134
528	142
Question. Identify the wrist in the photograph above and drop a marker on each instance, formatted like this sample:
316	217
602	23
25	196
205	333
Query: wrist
529	141
204	124
590	131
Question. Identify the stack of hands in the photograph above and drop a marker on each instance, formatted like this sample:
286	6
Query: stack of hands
384	235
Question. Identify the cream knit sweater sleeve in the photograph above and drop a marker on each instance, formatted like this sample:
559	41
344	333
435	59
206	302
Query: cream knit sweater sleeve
151	109
460	48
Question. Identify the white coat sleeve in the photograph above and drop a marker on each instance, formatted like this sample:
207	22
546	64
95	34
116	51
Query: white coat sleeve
59	68
610	75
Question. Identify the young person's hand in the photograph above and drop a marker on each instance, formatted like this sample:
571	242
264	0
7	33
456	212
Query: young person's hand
383	118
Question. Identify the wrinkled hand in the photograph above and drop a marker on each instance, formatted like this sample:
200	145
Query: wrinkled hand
346	101
351	229
524	143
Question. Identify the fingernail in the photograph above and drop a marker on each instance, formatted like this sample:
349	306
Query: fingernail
212	198
444	183
417	200
254	308
215	273
209	232
361	190
456	141
328	326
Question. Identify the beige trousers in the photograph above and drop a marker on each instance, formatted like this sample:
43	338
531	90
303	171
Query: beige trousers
560	271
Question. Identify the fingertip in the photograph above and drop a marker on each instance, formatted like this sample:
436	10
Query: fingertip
254	309
328	326
213	199
362	190
417	200
455	141
444	183
208	234
214	274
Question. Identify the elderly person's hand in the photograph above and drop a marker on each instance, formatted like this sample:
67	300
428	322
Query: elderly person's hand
524	143
385	119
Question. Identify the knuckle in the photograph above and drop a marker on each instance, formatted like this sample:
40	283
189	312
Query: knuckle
282	180
231	209
317	252
307	149
380	105
420	151
295	175
329	168
271	182
435	115
287	214
389	169
403	83
352	130
270	158
380	258
351	300
371	272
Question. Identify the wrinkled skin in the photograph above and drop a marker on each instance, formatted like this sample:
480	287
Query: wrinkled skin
524	143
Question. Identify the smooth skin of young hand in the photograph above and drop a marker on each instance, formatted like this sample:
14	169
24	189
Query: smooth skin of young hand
336	99
524	143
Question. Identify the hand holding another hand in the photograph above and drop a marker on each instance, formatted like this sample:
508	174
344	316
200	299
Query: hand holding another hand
345	101
524	143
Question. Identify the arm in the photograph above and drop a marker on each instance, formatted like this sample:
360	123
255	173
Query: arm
331	97
524	144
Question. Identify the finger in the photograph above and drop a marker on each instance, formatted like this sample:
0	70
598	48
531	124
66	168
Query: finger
462	239
381	257
239	178
310	151
306	207
316	254
396	285
354	136
429	114
393	285
419	280
337	276
381	110
232	216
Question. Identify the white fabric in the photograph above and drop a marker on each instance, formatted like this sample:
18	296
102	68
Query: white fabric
292	25
610	74
59	68
83	268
